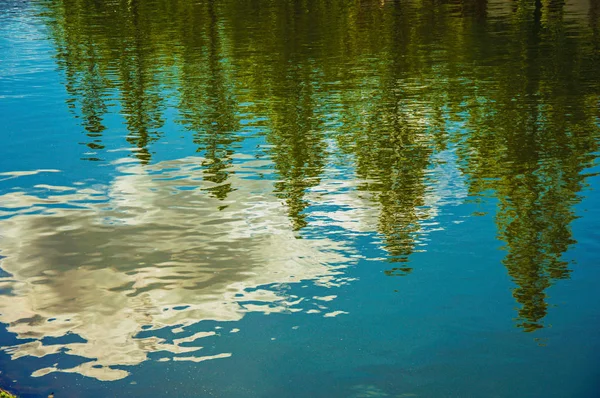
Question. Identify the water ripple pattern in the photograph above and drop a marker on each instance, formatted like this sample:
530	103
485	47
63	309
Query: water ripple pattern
324	198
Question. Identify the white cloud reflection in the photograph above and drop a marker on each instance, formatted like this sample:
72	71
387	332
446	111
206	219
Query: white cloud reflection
149	251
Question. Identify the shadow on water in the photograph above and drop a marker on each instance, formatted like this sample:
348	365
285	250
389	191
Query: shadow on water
489	101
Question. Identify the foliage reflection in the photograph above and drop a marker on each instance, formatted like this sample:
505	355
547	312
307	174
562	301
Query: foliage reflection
508	89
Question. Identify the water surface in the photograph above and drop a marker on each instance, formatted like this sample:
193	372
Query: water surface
318	198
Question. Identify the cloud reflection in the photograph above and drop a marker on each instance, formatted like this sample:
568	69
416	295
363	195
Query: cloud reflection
150	251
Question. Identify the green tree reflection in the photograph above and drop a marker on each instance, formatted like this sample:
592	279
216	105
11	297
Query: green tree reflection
378	81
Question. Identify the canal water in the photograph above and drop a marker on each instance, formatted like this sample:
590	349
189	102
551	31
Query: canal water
300	198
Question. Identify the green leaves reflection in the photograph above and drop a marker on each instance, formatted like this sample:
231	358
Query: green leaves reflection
383	83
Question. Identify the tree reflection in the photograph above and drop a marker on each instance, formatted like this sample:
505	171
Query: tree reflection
206	89
380	82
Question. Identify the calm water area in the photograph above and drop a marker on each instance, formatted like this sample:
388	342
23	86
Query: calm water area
300	198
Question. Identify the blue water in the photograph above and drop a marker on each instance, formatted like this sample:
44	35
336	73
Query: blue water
299	199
